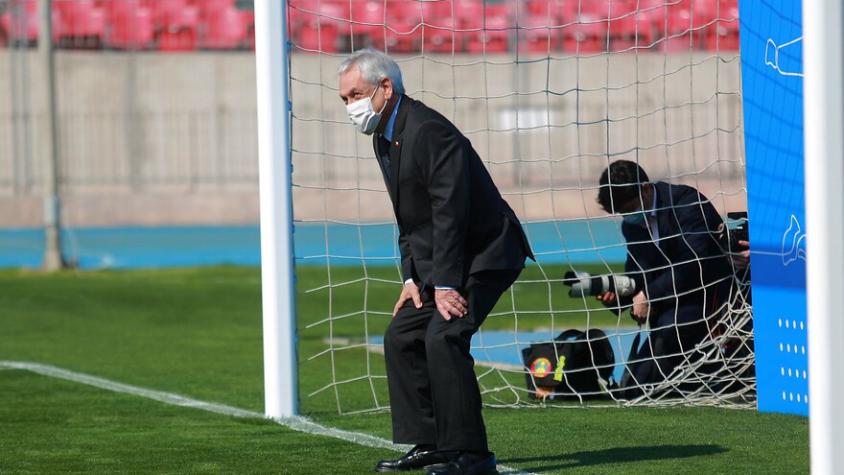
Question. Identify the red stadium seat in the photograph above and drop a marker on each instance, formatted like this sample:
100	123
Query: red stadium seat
705	11
596	8
248	19
295	19
367	24
725	35
437	40
316	38
220	25
130	25
730	7
440	33
28	6
443	22
535	8
679	32
538	35
468	15
403	36
587	35
571	11
682	23
321	29
83	23
180	30
119	7
704	15
165	12
434	11
437	12
402	11
208	7
497	10
630	32
224	29
20	22
657	11
596	25
465	10
491	36
673	23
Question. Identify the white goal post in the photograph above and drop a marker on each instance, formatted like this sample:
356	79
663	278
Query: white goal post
823	47
277	278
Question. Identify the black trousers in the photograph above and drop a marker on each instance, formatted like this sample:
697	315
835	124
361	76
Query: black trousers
434	394
674	333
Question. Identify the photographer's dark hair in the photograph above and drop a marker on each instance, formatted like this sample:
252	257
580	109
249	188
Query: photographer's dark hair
620	183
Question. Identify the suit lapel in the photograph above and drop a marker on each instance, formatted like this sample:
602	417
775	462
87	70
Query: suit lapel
395	163
665	211
376	147
396	146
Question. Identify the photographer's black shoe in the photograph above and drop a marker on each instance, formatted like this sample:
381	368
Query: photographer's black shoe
467	463
418	457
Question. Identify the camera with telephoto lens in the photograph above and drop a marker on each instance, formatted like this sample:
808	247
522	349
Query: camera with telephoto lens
583	284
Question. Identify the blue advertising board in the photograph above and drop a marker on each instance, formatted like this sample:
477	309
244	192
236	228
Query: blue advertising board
772	90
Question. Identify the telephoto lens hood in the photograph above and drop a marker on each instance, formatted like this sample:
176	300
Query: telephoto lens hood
584	284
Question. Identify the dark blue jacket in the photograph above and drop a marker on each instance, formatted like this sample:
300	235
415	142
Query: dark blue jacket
685	267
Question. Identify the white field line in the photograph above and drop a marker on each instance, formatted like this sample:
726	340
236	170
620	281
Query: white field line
297	423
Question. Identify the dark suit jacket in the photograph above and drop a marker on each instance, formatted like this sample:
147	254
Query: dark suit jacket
452	220
687	257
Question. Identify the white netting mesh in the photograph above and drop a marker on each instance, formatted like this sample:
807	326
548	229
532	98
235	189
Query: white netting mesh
549	92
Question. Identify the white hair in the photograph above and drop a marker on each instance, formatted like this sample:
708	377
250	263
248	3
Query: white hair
374	66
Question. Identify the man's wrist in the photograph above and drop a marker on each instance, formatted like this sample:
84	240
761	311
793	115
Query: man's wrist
443	287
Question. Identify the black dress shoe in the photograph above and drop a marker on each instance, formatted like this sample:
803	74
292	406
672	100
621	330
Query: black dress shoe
418	457
467	463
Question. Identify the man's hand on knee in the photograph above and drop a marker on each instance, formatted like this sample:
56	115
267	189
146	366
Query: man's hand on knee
450	303
410	291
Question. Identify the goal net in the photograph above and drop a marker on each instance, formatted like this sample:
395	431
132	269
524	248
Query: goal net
550	92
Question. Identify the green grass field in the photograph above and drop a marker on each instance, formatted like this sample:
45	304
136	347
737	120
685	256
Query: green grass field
197	332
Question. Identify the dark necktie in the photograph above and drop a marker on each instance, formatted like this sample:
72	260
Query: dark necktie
384	146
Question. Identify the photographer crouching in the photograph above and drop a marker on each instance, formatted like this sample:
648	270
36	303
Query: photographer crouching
677	275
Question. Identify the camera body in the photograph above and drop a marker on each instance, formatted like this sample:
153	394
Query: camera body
584	284
736	228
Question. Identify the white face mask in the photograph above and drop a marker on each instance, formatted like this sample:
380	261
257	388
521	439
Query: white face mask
365	119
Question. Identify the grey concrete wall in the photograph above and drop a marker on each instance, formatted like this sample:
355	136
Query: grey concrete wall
150	138
145	138
545	127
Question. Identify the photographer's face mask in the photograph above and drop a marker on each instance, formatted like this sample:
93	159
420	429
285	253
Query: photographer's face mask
637	218
365	119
